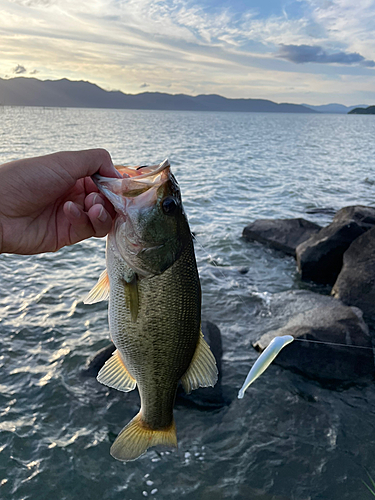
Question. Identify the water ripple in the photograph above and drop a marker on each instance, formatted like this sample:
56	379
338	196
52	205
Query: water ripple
289	438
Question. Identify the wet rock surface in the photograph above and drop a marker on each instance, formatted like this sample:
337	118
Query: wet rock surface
326	321
355	284
320	257
363	215
95	363
281	234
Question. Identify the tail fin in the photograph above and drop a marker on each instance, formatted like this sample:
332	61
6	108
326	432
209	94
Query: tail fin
135	438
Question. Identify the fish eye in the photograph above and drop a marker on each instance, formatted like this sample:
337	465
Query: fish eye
169	205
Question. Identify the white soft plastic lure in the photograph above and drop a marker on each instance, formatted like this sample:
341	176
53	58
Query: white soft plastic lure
264	360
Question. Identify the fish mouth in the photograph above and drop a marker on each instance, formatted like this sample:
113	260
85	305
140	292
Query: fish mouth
144	173
135	194
135	181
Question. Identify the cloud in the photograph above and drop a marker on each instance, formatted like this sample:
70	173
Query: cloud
33	3
346	23
19	69
368	63
194	46
314	53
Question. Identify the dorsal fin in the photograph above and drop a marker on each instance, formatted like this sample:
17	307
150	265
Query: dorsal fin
202	371
115	374
100	291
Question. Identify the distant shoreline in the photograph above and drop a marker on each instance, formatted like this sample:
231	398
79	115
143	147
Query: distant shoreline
65	93
146	110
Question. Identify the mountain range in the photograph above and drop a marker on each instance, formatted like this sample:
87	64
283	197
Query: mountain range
22	91
334	108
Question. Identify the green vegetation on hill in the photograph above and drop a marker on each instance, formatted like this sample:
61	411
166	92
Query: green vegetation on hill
363	111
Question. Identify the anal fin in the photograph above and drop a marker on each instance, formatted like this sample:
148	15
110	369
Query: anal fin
115	375
202	371
136	437
100	291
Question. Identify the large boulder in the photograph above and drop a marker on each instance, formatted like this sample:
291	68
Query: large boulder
341	351
282	234
355	284
320	257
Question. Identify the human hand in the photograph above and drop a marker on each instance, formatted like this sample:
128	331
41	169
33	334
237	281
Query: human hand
50	201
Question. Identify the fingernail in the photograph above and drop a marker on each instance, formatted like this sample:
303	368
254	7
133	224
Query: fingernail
96	199
74	210
117	173
102	215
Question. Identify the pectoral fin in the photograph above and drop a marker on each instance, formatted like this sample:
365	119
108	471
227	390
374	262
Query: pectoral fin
114	374
100	291
202	371
131	297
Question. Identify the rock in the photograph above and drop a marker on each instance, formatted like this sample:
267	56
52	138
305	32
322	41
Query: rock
355	284
283	306
282	234
320	257
206	398
95	363
322	211
363	215
243	270
331	322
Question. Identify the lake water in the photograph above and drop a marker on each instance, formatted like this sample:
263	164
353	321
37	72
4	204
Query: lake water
289	438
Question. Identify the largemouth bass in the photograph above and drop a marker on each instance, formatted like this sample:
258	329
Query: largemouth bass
154	294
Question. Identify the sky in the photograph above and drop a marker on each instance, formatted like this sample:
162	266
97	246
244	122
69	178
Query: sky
298	51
